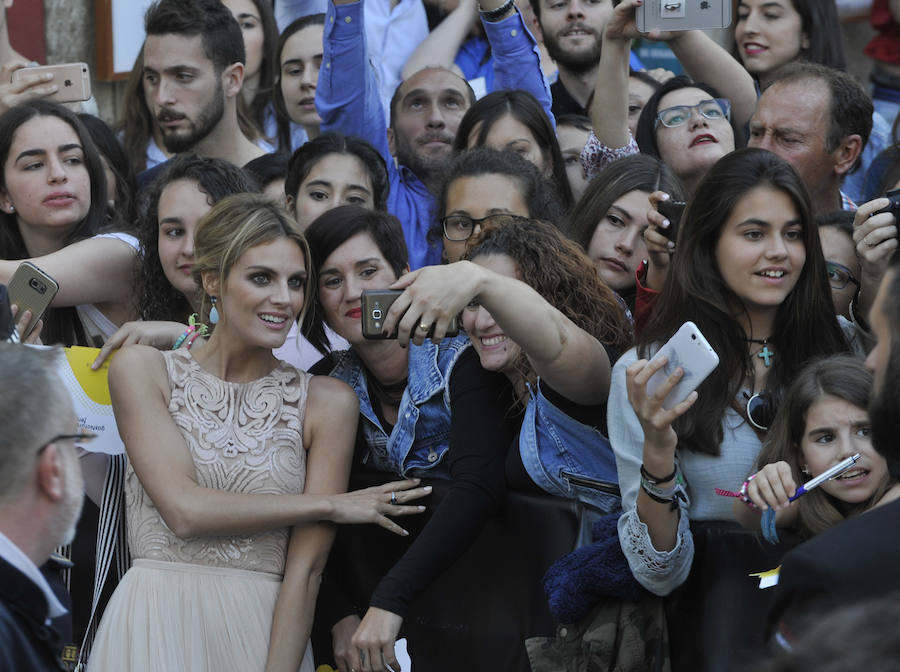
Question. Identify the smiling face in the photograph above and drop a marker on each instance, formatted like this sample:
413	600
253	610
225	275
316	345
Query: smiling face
691	148
47	184
768	34
835	430
572	140
181	206
428	108
480	196
263	293
182	88
247	16
573	30
760	252
335	179
617	246
509	134
301	59
356	265
495	350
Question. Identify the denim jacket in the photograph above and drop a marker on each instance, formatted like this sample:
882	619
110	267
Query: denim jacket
566	458
421	436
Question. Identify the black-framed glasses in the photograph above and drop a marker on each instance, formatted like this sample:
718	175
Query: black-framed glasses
678	115
839	275
760	410
461	227
81	438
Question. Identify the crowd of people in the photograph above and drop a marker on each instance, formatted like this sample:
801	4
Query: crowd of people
538	216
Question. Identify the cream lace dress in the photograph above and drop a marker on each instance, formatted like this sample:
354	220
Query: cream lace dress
206	603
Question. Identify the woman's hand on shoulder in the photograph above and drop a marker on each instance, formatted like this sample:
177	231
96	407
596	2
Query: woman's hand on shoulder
772	486
375	638
156	333
656	422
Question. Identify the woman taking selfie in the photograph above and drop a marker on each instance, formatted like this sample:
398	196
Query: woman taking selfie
236	461
54	212
749	272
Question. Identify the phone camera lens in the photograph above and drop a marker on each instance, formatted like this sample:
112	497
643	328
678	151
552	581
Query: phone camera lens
693	337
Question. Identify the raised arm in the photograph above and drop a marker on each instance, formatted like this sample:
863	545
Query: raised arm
329	430
161	459
572	361
706	61
609	111
96	270
443	43
347	97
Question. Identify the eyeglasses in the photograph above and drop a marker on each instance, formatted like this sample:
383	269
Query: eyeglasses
839	275
761	410
80	439
461	227
714	108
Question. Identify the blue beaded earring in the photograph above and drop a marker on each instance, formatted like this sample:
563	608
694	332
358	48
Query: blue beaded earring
214	312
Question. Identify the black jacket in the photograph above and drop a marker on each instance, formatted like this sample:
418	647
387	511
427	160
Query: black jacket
25	642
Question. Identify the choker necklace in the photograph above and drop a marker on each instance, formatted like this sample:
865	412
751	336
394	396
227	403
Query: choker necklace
389	394
765	354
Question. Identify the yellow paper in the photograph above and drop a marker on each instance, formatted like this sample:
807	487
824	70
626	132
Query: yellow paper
93	383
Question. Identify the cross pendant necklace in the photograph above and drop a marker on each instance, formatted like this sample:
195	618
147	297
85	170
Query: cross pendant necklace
765	354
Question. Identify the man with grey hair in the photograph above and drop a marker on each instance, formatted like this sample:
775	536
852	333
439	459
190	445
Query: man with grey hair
40	502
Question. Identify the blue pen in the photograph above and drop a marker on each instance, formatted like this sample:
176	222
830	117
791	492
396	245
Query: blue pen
835	471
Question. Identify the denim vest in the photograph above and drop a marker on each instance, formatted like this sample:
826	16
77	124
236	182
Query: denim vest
566	458
421	436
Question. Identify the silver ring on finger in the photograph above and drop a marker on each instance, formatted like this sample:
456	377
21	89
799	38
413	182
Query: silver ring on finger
394	498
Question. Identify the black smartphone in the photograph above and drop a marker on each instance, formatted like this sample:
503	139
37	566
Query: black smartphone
375	304
7	323
671	210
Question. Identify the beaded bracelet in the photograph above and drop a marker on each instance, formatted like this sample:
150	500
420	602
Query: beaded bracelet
497	12
194	327
740	494
193	338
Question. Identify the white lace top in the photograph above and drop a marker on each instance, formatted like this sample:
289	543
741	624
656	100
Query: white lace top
243	437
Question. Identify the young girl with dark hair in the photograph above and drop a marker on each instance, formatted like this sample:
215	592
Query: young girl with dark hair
298	56
748	270
822	421
54	212
482	183
513	120
610	220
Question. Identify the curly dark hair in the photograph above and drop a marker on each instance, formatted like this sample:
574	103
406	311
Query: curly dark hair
559	270
158	299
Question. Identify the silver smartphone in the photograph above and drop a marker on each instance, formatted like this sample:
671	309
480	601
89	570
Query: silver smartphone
693	353
683	15
31	289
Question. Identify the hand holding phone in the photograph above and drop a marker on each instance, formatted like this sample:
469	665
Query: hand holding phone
667	15
72	80
31	289
689	350
671	210
375	304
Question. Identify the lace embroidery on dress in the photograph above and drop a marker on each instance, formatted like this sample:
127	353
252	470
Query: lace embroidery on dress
243	437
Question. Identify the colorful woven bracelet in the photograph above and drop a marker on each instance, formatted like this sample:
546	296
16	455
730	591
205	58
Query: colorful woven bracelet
187	332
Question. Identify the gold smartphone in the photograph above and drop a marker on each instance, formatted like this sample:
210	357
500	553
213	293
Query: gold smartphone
73	80
31	289
375	304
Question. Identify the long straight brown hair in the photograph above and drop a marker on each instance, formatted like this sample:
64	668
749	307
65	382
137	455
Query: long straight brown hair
805	324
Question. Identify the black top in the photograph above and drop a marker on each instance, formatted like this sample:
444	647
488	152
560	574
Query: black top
564	103
481	430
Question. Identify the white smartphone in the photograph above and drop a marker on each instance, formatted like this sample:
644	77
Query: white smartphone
683	15
693	353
